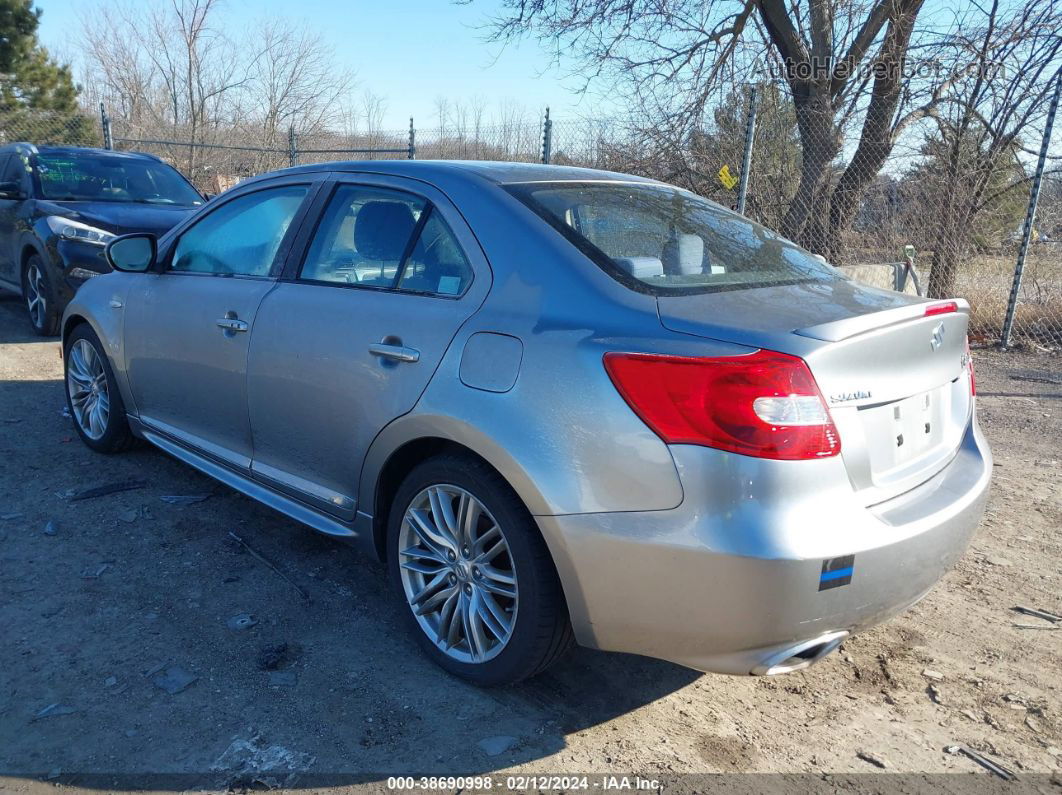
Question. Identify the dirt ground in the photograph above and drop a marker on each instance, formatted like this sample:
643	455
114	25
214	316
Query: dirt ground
106	600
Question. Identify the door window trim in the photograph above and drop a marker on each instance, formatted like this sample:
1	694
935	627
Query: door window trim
301	250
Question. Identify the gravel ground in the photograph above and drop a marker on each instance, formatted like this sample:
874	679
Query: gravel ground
104	601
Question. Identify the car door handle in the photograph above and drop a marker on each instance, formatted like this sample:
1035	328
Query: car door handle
398	353
232	324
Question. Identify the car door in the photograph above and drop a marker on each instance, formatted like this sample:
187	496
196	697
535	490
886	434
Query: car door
350	337
187	327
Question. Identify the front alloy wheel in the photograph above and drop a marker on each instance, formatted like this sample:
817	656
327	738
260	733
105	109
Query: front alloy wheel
86	381
458	574
92	394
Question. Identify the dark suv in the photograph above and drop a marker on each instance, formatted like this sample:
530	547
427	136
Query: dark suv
59	206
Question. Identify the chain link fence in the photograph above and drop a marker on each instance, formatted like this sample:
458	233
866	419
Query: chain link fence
959	205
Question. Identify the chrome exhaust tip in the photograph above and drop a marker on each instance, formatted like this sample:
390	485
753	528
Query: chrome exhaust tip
800	655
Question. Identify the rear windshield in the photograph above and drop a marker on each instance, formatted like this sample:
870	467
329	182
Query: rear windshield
659	239
99	177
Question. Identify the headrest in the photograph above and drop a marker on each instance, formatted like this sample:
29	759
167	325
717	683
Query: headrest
684	254
382	229
641	267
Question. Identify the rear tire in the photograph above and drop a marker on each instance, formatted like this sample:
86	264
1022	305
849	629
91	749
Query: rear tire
495	613
92	395
42	306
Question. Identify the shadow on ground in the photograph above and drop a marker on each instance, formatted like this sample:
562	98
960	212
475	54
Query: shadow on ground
112	603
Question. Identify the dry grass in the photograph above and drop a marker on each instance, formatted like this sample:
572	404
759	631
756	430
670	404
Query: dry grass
985	281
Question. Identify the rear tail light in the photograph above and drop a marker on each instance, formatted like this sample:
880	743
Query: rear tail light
970	366
763	404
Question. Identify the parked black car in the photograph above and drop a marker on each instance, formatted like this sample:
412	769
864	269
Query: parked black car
59	206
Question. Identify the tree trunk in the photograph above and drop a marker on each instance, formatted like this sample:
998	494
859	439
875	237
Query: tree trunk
944	269
875	142
819	146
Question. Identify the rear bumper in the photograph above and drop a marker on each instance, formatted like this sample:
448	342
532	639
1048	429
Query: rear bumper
732	581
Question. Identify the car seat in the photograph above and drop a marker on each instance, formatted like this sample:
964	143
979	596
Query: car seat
683	255
381	231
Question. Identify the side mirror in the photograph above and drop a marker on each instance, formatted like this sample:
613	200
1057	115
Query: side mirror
11	190
134	253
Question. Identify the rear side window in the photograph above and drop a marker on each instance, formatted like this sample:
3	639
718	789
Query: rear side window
15	170
385	239
242	236
667	241
363	236
436	265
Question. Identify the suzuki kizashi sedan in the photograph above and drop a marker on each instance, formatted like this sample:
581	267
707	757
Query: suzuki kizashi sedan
562	405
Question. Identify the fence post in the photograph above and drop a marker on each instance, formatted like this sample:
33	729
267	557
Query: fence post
105	122
1030	214
411	149
547	138
293	146
746	159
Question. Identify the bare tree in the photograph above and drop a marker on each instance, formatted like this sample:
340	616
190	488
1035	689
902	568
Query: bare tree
842	61
293	80
170	70
1011	63
165	64
194	60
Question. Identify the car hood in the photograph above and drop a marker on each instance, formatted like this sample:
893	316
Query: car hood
120	217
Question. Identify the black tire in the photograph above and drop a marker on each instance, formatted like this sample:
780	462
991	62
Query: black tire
46	322
116	435
542	632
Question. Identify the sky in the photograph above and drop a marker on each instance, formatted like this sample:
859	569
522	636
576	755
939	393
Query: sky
408	51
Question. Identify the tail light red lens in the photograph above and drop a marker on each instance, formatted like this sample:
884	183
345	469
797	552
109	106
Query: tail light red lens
763	404
942	309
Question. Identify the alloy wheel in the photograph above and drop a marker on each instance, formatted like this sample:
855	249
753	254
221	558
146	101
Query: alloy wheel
86	382
458	574
35	296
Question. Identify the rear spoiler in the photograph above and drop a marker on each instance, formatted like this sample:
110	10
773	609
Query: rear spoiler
838	330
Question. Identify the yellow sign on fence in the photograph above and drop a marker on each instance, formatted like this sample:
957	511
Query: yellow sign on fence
728	179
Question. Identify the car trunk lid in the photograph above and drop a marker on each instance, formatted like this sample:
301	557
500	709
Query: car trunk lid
895	378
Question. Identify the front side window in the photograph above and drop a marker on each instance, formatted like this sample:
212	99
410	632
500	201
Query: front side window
242	236
664	240
374	237
112	178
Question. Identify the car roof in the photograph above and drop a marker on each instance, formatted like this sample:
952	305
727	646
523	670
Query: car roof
498	172
73	150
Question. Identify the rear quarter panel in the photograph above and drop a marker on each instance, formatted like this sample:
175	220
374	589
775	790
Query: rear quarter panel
562	435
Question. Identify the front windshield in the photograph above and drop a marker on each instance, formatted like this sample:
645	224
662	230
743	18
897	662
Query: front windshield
660	239
100	177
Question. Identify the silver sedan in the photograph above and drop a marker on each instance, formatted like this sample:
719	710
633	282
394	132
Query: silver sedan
562	405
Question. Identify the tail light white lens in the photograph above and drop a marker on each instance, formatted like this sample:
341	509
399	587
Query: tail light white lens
763	404
791	410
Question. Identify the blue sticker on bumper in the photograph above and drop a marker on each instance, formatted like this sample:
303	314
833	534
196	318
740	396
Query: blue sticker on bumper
836	572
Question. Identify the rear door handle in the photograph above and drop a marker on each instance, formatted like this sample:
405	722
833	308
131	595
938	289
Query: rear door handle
232	324
398	353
